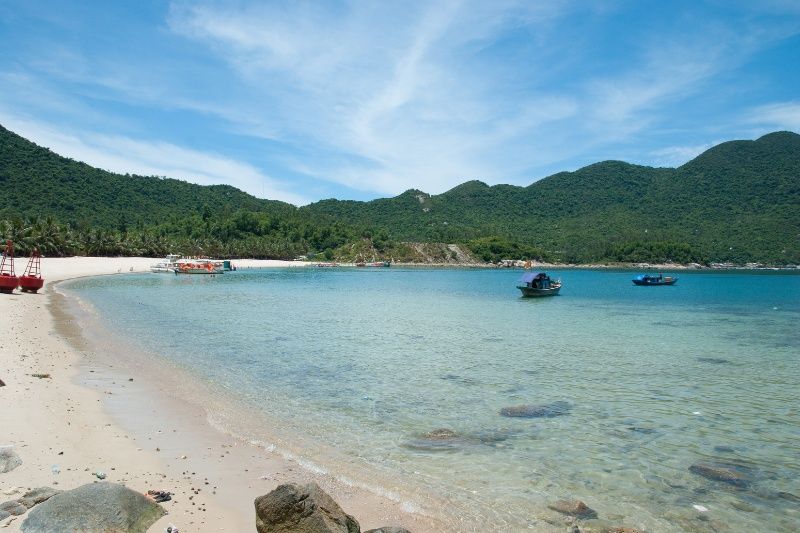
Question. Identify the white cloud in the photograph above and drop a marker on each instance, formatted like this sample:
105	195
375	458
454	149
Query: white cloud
125	155
780	115
674	156
380	90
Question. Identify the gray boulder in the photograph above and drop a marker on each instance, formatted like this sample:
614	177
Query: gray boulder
574	508
37	496
106	507
389	529
301	509
13	507
4	515
9	459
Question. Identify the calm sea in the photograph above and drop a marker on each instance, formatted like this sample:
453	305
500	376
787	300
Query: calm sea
638	383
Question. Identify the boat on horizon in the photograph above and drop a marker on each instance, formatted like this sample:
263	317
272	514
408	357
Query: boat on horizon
648	279
538	284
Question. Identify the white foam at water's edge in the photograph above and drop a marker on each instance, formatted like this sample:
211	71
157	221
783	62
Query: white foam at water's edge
316	469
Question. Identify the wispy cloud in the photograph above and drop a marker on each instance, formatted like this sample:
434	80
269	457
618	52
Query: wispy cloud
674	156
780	115
372	98
148	158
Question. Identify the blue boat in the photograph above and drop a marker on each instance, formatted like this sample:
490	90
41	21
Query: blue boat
647	279
538	284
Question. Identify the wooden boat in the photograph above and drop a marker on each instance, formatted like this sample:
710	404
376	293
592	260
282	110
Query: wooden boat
538	284
32	280
647	279
8	280
198	266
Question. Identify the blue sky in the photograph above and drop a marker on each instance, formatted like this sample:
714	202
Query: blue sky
300	101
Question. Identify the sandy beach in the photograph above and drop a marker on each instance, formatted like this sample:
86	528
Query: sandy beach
92	414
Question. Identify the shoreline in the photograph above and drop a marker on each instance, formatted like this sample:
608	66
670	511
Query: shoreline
94	414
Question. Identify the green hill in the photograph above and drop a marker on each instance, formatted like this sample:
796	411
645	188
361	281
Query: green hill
738	202
35	181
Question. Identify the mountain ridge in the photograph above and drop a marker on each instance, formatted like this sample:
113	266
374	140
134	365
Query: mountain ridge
737	201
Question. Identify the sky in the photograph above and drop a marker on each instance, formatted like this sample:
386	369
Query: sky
301	101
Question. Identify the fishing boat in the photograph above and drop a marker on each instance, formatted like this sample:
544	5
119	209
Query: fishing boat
647	279
8	280
166	265
538	284
197	266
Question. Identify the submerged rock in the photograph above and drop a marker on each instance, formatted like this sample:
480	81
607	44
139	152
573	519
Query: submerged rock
789	496
106	507
574	508
595	525
440	434
301	509
713	360
537	411
441	439
9	460
724	449
724	473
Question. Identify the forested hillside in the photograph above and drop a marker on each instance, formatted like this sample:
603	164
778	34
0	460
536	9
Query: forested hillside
739	202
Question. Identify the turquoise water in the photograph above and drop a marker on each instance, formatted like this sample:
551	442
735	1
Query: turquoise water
646	381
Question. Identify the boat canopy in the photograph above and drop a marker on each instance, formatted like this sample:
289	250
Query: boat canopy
530	276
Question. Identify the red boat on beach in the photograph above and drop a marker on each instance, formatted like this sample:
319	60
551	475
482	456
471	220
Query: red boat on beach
8	280
31	280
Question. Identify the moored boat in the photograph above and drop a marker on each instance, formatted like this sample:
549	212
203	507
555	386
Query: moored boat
197	266
647	279
166	265
538	284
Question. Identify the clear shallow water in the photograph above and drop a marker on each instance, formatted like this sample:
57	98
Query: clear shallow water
367	361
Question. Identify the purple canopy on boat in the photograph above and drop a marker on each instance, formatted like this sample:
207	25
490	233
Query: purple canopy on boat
530	276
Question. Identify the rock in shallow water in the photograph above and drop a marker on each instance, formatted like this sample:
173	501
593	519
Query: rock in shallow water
301	509
574	508
9	460
106	507
713	360
537	411
717	472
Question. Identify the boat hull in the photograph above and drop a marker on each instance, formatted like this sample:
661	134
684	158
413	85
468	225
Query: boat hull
530	292
643	283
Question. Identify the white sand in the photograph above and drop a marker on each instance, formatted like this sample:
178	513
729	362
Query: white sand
89	416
